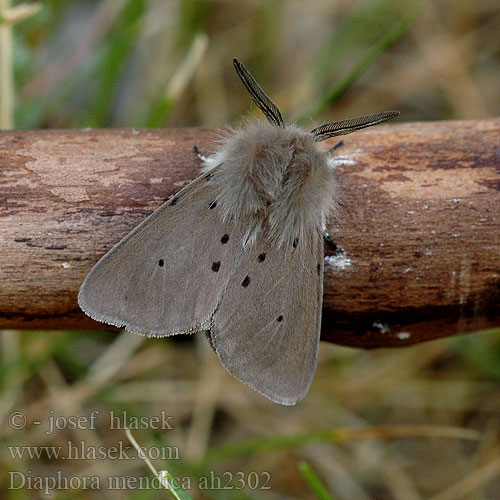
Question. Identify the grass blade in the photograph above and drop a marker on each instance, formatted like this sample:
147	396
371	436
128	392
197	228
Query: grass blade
314	482
362	65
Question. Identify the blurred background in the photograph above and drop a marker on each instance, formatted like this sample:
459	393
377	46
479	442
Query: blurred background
408	424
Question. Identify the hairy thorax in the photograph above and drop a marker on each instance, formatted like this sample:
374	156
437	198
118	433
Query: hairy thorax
274	180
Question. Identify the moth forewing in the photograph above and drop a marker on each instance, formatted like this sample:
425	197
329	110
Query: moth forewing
165	276
266	328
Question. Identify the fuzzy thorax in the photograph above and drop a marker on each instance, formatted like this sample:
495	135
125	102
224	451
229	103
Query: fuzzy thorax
274	180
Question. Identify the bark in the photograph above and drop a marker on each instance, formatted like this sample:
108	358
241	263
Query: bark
419	223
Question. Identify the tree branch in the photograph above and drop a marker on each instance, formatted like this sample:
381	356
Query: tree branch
420	223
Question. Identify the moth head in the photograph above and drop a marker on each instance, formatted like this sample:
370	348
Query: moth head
321	133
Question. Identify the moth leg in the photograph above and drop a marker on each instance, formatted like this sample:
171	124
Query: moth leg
199	154
329	241
338	145
328	237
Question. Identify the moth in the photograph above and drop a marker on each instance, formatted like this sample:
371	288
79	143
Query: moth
237	254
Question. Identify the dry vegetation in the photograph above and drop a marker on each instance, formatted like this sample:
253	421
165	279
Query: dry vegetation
409	424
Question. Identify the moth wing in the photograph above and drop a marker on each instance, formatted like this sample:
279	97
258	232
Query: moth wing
166	276
266	329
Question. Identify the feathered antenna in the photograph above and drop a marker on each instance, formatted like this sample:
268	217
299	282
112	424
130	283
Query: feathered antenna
259	96
347	126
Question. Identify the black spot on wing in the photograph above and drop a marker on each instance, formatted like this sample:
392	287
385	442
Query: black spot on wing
174	201
161	263
216	266
246	281
212	205
318	267
262	257
224	239
279	319
295	242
